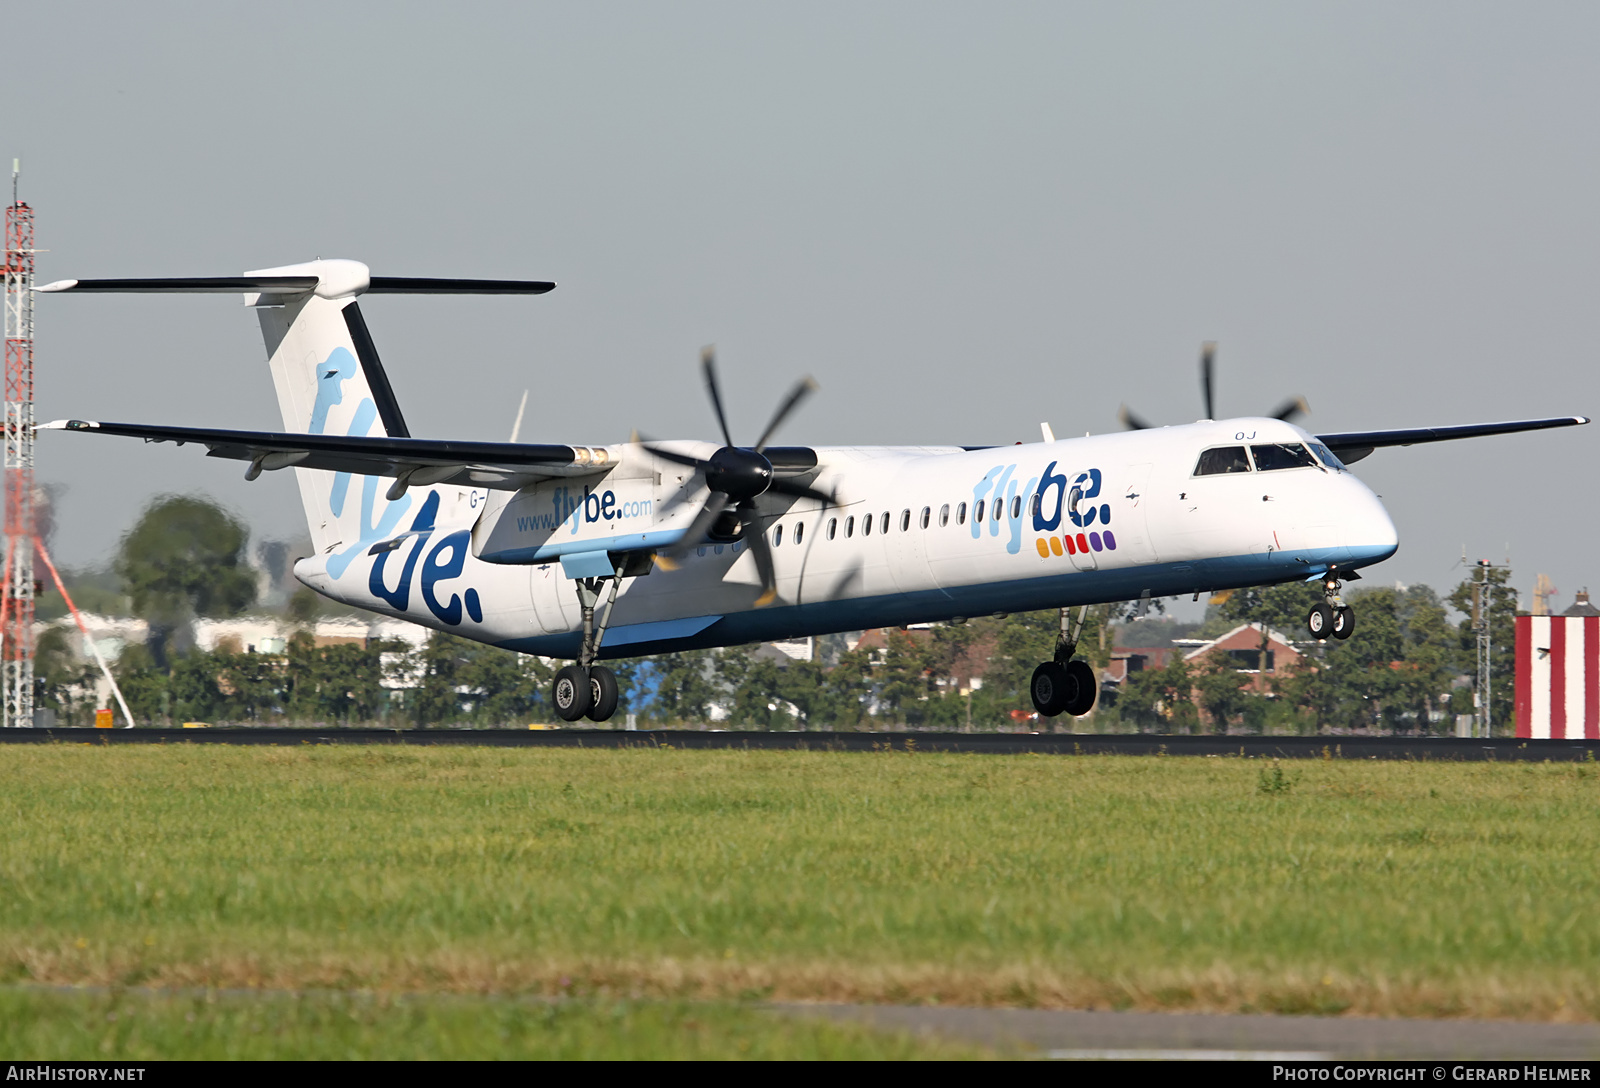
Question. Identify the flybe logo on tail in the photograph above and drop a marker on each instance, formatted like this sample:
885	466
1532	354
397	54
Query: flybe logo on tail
440	560
339	367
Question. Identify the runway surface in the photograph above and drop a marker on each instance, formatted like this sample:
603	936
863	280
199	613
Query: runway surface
1146	744
1114	1035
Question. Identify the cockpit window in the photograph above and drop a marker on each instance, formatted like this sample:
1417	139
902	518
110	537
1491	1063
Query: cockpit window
1222	460
1282	455
1326	456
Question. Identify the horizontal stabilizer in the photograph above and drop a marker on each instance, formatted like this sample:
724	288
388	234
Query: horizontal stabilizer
500	465
434	285
295	285
1354	445
267	285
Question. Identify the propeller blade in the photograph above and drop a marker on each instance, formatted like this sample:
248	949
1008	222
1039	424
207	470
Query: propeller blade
1132	422
800	491
803	389
708	366
1208	355
674	456
1291	409
755	538
716	503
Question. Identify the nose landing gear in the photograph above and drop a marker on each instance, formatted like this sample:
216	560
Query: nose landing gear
1332	617
1062	685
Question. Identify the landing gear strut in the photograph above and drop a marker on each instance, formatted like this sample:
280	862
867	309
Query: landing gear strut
1332	617
1062	685
586	689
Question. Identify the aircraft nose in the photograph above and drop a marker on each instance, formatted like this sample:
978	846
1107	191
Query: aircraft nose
1369	532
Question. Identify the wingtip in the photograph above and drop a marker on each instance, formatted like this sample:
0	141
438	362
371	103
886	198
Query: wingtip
57	285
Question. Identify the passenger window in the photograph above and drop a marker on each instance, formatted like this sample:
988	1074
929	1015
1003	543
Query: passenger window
926	513
850	526
905	520
1016	507
944	515
1221	461
777	535
997	509
866	525
961	514
1033	505
799	532
977	511
833	527
883	522
1281	455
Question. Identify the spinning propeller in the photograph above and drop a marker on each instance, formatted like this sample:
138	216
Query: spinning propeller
736	477
1287	411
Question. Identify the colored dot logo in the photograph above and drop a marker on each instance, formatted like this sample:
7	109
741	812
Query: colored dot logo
1076	543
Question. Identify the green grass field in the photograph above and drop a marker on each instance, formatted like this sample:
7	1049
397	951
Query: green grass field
332	1026
654	878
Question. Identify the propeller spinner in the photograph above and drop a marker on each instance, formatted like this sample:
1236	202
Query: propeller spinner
735	477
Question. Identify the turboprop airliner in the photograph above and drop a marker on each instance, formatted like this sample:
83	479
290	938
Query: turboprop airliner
633	548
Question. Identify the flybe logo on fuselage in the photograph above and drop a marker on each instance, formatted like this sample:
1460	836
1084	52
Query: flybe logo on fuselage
1062	507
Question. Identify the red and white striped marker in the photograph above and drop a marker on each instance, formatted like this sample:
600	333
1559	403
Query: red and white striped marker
1558	677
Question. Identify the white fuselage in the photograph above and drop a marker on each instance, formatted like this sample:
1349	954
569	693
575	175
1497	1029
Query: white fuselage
1087	520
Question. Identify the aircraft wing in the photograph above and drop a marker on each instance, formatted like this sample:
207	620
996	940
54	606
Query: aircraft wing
1354	445
505	466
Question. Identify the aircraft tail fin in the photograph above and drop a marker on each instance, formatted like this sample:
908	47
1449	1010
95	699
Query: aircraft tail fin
329	381
325	369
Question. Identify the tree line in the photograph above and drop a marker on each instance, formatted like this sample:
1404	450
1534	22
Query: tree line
1402	670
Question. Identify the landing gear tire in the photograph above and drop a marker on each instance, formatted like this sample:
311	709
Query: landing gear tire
573	693
603	693
1344	622
1063	689
1081	679
1051	689
1320	622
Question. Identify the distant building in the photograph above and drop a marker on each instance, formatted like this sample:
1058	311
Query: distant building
1580	605
1127	660
1240	647
1243	648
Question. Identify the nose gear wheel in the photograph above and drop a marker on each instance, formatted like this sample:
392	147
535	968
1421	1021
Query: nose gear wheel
1332	618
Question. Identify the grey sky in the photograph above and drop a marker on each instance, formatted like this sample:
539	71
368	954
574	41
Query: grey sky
962	219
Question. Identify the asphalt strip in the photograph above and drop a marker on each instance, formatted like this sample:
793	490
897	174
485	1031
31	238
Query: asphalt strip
1207	1037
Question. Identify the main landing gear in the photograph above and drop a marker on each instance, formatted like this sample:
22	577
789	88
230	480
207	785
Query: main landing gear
1062	685
585	689
1332	618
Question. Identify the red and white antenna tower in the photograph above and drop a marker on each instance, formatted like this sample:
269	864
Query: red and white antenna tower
16	606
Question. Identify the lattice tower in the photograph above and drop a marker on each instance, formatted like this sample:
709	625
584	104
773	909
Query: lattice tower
16	616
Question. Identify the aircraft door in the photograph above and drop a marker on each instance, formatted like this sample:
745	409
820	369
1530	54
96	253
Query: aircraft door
908	548
1131	505
1083	509
555	598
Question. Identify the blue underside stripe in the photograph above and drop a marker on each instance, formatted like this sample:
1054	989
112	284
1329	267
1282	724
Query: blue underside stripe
928	606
